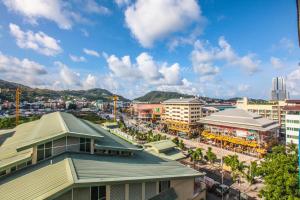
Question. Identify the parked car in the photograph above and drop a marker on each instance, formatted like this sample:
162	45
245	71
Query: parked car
220	189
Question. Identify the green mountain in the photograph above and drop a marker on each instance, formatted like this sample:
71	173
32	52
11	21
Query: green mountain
7	92
159	96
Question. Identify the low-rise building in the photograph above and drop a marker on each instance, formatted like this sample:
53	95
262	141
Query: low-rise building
181	115
63	157
241	131
272	110
147	111
165	149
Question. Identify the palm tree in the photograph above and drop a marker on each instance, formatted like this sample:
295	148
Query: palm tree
211	157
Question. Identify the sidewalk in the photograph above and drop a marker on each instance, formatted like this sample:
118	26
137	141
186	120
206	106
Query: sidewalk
218	151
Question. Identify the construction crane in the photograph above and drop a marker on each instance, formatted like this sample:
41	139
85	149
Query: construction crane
115	99
18	95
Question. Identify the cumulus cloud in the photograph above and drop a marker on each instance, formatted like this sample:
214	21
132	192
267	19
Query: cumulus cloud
91	52
145	68
204	56
39	41
90	82
151	16
293	82
77	58
67	76
54	10
276	63
24	71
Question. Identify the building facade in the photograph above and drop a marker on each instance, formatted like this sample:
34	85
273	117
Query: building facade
181	115
240	131
147	111
292	121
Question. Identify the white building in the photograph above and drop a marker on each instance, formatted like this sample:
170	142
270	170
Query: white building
292	121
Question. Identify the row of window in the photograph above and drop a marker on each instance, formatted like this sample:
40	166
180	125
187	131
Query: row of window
292	136
16	167
293	121
45	150
292	129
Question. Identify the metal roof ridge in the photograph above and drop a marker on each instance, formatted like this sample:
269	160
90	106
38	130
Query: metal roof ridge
63	123
71	169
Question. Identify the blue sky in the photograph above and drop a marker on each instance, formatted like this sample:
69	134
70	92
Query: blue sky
215	48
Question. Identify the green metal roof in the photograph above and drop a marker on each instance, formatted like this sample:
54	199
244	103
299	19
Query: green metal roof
141	166
58	124
37	182
173	154
9	141
162	145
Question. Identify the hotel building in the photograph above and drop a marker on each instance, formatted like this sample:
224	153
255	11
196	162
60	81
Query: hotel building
181	115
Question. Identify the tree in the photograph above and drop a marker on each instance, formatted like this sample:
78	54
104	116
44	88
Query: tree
280	174
181	145
252	172
176	141
237	167
211	157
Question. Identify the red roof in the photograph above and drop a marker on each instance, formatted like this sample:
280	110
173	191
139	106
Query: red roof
296	101
292	108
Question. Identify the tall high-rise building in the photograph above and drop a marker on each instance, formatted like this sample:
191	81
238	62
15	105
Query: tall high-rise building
279	92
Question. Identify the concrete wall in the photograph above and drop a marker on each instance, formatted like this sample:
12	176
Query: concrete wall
184	188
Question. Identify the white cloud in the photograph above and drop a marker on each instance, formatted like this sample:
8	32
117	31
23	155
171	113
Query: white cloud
92	6
11	64
23	71
204	56
90	82
91	52
145	69
121	3
67	76
160	18
284	44
39	42
77	58
293	82
276	63
54	10
186	87
243	87
85	32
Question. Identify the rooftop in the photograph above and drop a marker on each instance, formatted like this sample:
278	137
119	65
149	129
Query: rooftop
240	118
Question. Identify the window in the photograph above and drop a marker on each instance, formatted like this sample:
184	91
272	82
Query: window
98	193
44	151
85	145
163	186
2	173
14	168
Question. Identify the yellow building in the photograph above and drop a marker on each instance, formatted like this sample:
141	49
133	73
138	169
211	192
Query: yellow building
181	115
272	110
